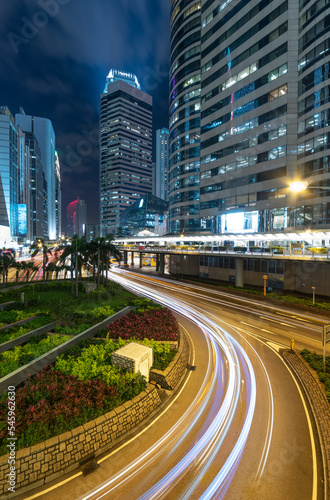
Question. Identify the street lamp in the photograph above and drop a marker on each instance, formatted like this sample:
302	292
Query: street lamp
299	186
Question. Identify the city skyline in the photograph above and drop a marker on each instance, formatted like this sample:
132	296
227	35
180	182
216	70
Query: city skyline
50	68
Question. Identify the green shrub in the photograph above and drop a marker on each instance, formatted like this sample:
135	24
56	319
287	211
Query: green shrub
20	355
316	362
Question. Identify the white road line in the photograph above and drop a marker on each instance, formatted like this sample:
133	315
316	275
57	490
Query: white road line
130	440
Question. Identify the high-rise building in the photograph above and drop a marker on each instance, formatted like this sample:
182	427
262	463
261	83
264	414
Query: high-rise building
4	220
92	232
184	102
37	184
262	71
125	147
42	129
76	218
9	170
58	197
24	210
160	173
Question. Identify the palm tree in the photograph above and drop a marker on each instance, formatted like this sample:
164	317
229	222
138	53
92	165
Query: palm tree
28	266
18	266
77	253
6	260
50	268
105	249
39	246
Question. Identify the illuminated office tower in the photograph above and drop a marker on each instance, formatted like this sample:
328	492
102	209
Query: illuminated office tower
160	173
43	131
38	224
125	147
76	218
185	89
58	198
9	170
264	110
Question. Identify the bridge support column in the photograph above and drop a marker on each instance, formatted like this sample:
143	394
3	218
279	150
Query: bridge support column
140	265
157	262
125	256
132	259
161	263
239	280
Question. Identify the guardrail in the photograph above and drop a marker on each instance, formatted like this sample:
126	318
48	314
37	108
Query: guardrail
266	253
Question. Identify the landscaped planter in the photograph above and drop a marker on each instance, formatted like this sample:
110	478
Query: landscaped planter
7	304
23	338
59	455
169	378
18	323
21	374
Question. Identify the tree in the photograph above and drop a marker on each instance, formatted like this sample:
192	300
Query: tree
105	248
18	266
77	252
39	246
28	266
6	260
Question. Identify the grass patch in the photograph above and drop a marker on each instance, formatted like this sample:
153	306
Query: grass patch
56	300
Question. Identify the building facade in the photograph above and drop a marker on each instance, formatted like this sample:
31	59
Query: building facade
58	197
147	214
160	172
125	147
43	131
262	71
9	170
76	218
37	184
184	112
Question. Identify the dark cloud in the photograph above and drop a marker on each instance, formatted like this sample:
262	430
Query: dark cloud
55	55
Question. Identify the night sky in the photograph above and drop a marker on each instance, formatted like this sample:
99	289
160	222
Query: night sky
55	56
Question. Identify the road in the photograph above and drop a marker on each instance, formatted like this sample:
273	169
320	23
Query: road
238	428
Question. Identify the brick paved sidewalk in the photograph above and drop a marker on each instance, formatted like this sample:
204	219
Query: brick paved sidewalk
320	405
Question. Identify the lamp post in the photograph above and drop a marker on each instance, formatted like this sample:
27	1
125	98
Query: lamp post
313	288
299	186
265	278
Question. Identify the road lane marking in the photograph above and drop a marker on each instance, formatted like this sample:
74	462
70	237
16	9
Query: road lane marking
274	346
127	442
309	423
248	324
267	331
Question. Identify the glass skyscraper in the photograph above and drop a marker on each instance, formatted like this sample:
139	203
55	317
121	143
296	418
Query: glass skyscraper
125	147
185	90
9	170
160	174
262	70
42	129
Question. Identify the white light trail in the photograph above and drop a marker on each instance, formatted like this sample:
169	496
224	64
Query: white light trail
202	454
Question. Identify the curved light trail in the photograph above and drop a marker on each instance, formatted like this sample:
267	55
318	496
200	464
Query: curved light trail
218	397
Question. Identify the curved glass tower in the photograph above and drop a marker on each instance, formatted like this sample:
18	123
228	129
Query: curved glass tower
184	106
249	115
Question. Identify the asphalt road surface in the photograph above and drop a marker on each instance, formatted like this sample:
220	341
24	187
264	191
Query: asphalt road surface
237	428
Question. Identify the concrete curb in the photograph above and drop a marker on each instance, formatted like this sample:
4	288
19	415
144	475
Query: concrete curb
319	404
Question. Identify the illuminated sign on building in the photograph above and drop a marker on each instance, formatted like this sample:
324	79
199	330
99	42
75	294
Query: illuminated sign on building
22	220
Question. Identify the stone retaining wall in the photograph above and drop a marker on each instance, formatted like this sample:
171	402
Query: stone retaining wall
56	456
320	406
169	378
